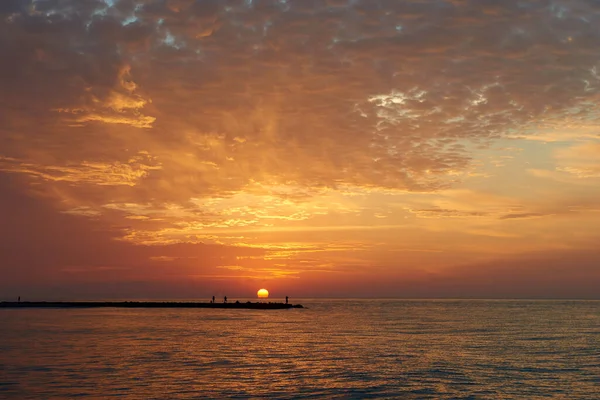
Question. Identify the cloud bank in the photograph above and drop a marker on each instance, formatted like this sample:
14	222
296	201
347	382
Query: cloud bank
241	124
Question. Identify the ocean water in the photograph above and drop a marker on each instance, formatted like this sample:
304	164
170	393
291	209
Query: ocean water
346	349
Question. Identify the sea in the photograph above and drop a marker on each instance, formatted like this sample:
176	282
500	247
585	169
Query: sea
331	349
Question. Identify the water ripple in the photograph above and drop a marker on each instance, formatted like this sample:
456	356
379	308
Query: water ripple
332	350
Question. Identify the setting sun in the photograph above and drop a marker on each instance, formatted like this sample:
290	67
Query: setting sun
262	294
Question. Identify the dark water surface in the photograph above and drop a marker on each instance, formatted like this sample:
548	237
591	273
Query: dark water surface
334	349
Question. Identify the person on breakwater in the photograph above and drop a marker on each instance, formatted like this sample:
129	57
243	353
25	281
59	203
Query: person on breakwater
225	299
286	299
213	300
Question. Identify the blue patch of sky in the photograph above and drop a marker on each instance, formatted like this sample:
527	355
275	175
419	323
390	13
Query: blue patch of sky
559	11
99	12
285	6
134	18
171	41
129	20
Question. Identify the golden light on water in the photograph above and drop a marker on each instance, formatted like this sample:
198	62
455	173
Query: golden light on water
262	293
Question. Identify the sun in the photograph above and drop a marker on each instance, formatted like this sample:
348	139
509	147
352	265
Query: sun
262	294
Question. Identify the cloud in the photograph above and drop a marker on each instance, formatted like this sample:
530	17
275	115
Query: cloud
523	215
118	106
582	160
179	121
115	174
445	213
40	248
412	94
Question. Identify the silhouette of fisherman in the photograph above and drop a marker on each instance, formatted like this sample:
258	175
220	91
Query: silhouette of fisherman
213	300
225	299
286	299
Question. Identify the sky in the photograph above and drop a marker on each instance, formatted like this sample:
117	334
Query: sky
317	148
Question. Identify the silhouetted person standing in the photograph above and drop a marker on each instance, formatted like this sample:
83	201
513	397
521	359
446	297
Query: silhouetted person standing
225	299
213	300
286	299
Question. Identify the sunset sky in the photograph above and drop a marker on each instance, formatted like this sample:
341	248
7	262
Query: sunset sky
338	148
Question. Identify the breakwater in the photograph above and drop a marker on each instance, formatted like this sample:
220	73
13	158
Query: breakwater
146	304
